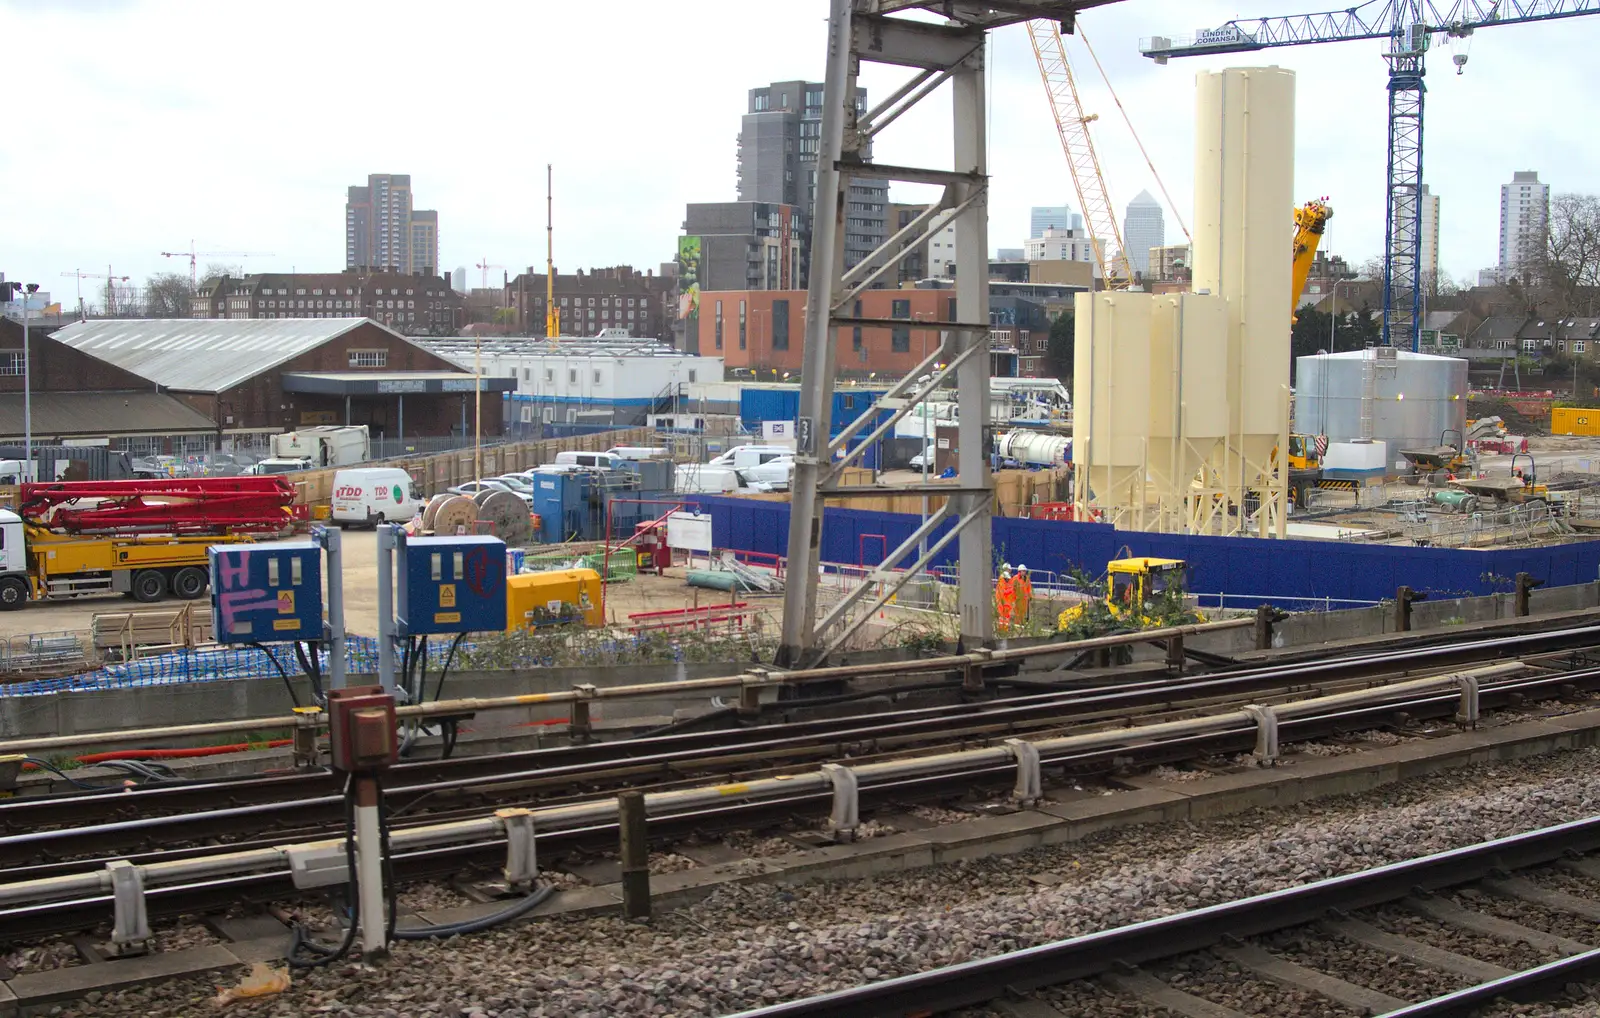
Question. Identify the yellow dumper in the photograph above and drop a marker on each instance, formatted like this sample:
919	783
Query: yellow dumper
558	597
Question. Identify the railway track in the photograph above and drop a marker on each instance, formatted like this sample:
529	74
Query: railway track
45	834
1345	943
591	826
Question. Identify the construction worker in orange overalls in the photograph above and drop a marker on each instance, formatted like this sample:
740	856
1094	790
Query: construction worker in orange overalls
1005	598
1024	588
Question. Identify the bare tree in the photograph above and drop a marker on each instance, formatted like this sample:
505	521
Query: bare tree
216	270
167	295
1571	269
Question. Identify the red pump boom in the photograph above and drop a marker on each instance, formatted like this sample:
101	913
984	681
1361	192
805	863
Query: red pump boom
180	505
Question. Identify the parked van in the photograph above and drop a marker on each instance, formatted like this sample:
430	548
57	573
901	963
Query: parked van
705	479
637	452
608	461
374	495
742	456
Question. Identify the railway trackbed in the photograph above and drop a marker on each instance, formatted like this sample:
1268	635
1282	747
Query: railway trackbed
1425	938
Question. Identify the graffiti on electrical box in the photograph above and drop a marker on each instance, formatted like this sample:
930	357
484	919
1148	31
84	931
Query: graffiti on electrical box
239	603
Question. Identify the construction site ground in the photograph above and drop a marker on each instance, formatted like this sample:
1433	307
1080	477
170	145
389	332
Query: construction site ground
1556	457
643	593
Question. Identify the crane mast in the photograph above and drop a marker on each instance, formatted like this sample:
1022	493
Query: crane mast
1072	127
552	317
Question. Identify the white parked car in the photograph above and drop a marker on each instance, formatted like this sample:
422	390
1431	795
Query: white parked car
472	489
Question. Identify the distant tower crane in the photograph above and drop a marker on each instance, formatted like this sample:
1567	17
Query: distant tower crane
111	282
194	257
484	267
1408	25
552	316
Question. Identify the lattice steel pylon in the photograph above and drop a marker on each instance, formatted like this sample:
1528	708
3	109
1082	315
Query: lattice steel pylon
953	51
1072	126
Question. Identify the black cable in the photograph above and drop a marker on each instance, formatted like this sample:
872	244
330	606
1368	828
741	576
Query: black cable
422	681
532	900
312	666
274	659
439	689
63	775
323	955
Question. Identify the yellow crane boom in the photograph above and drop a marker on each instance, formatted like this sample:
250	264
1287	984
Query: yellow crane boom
1072	125
1310	220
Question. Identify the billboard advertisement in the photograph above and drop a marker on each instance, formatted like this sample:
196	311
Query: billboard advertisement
688	276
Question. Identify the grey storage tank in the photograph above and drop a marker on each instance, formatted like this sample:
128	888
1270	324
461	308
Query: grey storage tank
1415	398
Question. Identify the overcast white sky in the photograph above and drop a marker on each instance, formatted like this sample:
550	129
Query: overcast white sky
136	125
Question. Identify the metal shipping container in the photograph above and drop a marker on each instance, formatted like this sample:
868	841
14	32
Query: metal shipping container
1569	420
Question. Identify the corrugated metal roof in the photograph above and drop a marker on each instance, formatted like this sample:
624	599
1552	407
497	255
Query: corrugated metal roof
204	354
101	414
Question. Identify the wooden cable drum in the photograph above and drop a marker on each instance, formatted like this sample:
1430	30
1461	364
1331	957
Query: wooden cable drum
432	509
458	513
508	514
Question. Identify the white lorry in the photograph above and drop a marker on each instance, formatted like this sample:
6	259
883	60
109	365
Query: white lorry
325	446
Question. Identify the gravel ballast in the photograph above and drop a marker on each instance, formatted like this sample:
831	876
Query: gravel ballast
748	945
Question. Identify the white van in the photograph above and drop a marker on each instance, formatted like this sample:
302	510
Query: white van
374	495
637	452
742	456
605	460
704	479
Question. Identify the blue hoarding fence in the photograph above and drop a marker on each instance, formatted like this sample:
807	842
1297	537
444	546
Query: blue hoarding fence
1287	573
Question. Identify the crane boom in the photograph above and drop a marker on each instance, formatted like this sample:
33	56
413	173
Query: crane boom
1407	25
1375	19
1072	126
1310	220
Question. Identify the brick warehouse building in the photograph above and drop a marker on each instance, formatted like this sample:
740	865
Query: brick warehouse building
252	377
615	298
763	331
416	305
76	397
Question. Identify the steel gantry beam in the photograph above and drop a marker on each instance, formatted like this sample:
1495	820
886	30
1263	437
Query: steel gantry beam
950	51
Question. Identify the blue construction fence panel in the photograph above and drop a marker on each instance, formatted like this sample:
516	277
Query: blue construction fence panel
1274	571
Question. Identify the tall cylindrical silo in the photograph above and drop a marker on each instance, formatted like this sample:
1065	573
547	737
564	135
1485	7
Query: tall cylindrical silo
1244	225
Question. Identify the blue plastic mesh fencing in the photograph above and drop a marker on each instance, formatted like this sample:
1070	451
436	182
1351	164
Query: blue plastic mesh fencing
204	665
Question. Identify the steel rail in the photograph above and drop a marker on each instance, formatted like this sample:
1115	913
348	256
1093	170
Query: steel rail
31	921
678	800
31	813
995	718
975	982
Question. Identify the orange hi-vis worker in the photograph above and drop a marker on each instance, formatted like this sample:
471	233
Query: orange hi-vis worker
1024	588
1005	597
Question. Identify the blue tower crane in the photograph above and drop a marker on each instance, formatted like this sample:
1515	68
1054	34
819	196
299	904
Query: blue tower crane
1408	25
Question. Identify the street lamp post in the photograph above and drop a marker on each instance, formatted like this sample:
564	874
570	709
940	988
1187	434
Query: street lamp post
922	549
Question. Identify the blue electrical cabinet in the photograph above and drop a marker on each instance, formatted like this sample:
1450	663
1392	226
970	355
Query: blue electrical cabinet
451	585
265	593
558	501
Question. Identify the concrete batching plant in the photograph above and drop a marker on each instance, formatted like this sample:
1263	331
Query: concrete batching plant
1182	398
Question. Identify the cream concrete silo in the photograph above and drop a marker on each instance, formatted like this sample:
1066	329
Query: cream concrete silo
1244	205
1111	414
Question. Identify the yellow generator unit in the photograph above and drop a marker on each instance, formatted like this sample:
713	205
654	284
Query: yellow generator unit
546	599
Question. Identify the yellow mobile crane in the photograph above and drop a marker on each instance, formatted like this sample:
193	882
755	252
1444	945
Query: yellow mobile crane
552	317
1310	220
